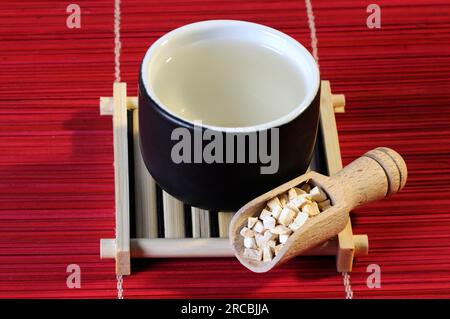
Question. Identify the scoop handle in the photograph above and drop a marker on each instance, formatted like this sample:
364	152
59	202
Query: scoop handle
375	175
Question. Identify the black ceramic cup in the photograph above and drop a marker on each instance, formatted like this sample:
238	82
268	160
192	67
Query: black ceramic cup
227	111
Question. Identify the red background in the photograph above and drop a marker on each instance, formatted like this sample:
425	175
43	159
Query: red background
56	156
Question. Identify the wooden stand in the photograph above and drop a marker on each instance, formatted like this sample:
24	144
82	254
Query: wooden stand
345	246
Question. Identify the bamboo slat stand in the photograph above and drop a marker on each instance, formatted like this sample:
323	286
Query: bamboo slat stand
345	246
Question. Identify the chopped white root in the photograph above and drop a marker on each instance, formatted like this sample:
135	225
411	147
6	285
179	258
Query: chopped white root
307	196
286	217
254	254
276	212
298	221
249	242
259	227
260	240
247	232
269	222
284	199
267	254
265	213
311	209
266	234
324	205
317	194
300	201
284	238
293	207
274	202
272	244
277	249
292	194
281	230
251	222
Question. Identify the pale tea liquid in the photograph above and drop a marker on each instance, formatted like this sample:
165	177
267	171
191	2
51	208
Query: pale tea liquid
228	83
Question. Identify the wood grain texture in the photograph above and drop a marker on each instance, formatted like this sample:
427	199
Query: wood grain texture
121	179
204	248
200	223
173	217
362	181
345	254
144	190
224	223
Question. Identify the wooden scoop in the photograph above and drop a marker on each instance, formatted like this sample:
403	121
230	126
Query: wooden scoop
375	175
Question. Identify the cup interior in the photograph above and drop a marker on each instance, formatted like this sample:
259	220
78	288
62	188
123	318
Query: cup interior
230	75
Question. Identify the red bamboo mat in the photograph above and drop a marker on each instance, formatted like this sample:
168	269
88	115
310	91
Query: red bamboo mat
56	173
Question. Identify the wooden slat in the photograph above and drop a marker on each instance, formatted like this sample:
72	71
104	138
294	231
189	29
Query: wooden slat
205	247
344	259
224	223
173	217
145	191
122	200
200	223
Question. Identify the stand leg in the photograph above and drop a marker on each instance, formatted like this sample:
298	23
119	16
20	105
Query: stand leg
121	179
328	101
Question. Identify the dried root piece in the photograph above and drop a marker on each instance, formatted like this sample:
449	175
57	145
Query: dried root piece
299	202
281	230
269	235
276	212
318	194
249	242
284	238
298	221
287	216
277	249
267	254
284	214
265	213
311	209
246	232
272	244
300	191
253	254
260	240
284	199
292	193
251	222
269	222
259	227
274	202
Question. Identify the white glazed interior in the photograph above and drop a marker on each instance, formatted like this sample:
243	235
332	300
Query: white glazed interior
161	51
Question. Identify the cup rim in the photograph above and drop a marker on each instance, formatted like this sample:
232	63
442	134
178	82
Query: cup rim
202	25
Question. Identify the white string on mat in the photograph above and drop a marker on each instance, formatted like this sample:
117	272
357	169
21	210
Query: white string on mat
312	29
315	53
119	286
117	43
347	285
117	48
